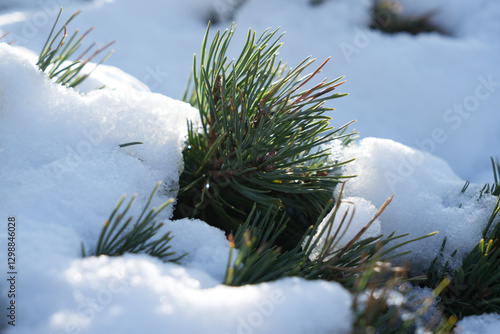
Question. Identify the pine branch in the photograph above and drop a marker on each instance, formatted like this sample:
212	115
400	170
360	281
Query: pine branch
119	237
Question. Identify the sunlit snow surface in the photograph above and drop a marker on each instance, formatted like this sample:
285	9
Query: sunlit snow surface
62	171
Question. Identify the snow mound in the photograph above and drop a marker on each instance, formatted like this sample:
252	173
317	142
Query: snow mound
488	323
136	293
56	141
205	246
427	198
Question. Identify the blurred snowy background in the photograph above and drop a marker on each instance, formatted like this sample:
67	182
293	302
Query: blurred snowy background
432	91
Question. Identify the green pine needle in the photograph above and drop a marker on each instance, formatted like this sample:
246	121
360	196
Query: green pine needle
131	144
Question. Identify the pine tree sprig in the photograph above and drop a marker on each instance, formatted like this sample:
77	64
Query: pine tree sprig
54	57
118	236
260	136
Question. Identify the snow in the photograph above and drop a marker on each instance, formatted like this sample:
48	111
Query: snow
97	293
427	198
476	324
426	110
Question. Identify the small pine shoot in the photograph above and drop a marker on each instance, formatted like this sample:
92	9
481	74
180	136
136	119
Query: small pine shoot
54	57
261	137
118	236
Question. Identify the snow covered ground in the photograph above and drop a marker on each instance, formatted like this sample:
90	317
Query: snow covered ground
416	98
